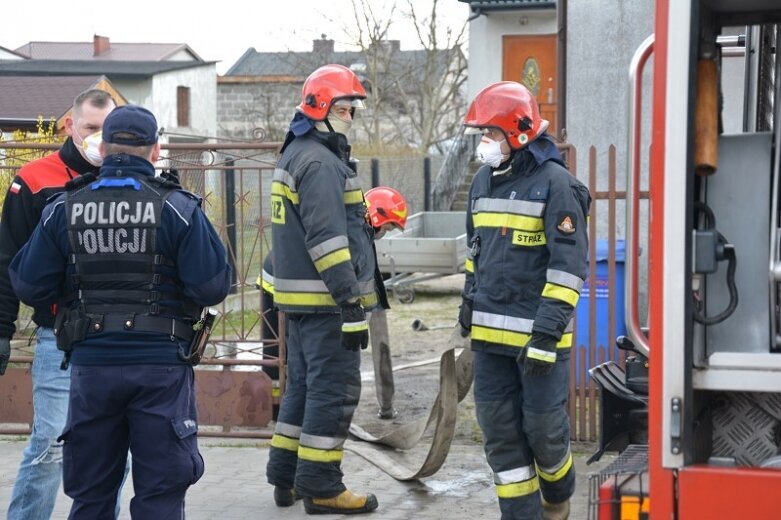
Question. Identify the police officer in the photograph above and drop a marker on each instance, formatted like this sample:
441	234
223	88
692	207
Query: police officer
131	259
526	225
324	281
40	471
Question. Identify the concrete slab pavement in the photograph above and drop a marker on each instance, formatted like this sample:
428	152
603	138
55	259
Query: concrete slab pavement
234	486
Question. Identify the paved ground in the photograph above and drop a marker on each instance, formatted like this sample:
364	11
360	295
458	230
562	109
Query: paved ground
234	486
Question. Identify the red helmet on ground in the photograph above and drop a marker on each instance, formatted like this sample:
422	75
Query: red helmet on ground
324	86
509	106
386	205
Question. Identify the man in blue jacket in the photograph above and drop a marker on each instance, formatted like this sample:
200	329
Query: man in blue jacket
130	260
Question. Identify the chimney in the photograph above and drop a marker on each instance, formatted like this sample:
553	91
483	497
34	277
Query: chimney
323	45
100	45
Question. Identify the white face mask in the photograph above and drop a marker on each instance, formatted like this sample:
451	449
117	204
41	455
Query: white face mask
91	147
340	126
490	152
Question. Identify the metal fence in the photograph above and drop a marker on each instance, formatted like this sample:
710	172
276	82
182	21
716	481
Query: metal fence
234	397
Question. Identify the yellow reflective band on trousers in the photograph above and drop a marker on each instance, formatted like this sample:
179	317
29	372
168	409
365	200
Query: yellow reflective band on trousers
518	489
558	475
332	259
512	339
564	294
284	443
316	455
353	197
279	188
469	265
508	220
267	286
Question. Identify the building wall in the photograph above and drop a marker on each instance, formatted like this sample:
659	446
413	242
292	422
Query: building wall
485	41
202	82
244	107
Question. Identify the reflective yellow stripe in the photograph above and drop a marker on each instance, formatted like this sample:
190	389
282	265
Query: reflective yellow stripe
553	477
525	238
512	339
303	298
275	392
348	327
469	266
353	197
517	489
564	294
331	259
508	220
284	443
279	188
503	337
316	455
317	299
267	286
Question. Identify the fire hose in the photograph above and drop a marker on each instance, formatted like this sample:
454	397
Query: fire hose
391	451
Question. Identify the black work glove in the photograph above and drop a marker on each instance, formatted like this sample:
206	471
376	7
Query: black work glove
5	353
355	328
465	317
539	355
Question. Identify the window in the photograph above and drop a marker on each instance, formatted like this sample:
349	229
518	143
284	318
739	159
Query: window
182	106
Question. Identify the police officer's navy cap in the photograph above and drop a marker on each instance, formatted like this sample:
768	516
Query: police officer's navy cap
130	125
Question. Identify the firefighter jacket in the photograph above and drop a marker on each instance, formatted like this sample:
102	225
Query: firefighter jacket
138	258
321	239
24	202
526	228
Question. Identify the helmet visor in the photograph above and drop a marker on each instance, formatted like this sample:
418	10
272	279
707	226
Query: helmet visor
350	103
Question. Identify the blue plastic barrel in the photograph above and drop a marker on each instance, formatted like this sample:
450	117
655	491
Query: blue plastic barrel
605	347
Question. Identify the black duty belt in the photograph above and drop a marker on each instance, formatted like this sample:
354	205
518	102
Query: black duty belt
158	324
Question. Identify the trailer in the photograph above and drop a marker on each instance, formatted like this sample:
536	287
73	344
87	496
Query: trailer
432	245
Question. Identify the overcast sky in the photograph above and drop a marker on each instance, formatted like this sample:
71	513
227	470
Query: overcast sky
221	31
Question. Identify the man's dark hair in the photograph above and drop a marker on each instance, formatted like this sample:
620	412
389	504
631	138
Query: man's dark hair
95	97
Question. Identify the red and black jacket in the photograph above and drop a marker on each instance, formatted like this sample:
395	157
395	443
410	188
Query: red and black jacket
24	203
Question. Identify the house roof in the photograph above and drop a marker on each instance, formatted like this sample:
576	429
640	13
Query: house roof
506	5
24	98
11	54
112	69
298	65
114	51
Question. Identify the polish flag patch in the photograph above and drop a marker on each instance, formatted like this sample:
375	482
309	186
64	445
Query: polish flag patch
15	187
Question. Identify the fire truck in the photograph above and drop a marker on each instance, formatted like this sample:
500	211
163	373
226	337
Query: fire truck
696	411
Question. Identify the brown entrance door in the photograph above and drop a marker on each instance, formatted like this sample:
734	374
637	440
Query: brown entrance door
531	60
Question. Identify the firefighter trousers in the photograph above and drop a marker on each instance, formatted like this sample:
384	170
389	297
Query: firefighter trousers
525	433
323	388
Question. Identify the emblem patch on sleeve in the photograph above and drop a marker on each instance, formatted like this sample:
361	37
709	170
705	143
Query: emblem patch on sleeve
566	223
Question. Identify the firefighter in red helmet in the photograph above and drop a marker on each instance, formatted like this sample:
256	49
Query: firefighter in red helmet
526	228
324	280
387	210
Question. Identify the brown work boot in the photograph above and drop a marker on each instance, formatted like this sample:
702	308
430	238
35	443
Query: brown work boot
559	511
284	497
345	503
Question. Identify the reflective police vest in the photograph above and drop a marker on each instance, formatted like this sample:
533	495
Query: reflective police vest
119	280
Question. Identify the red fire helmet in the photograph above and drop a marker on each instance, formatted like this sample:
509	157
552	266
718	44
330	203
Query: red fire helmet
325	85
386	205
510	107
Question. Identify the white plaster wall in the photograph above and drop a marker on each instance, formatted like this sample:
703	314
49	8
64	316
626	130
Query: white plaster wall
202	82
485	42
